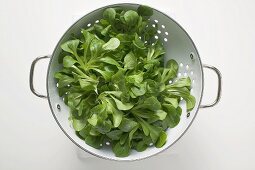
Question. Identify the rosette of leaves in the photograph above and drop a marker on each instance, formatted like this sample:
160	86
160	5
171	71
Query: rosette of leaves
117	86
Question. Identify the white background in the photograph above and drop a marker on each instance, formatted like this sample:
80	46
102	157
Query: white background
220	138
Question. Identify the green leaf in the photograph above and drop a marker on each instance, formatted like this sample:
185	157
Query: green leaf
115	134
74	99
85	131
170	71
93	120
117	116
154	133
127	125
152	86
159	50
63	80
93	132
119	80
107	75
112	44
103	126
121	150
161	140
141	146
161	114
122	106
98	28
144	113
182	82
151	130
123	138
78	125
68	61
115	93
81	108
131	17
70	46
135	78
145	11
173	118
131	134
145	128
104	22
109	14
88	38
125	38
106	30
172	64
94	141
185	94
138	91
172	101
190	102
150	53
150	103
100	111
96	47
138	42
87	85
130	61
110	60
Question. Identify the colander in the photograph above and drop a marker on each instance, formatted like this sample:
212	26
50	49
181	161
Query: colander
178	45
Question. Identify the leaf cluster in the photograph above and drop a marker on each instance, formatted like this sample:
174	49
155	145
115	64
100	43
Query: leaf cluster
116	84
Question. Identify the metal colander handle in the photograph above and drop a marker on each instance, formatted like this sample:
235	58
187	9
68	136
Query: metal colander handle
31	76
219	86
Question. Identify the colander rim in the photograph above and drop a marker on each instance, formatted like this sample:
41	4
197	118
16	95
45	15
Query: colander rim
140	158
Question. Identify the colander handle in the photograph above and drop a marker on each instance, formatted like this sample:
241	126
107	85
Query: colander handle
31	77
219	86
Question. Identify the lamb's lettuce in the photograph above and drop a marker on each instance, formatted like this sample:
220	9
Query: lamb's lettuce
116	84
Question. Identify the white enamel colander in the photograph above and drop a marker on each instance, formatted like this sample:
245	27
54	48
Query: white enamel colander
178	45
